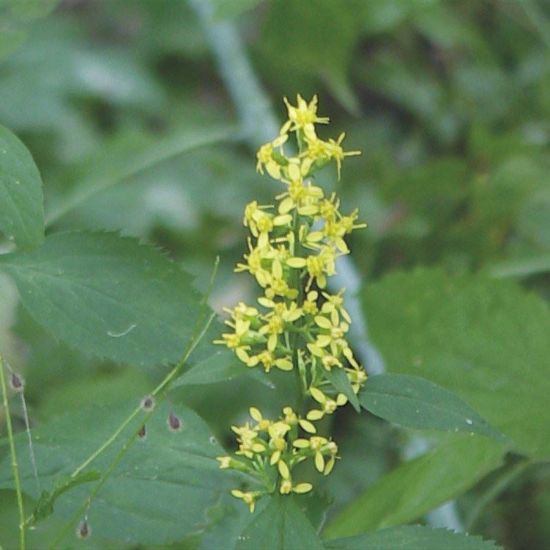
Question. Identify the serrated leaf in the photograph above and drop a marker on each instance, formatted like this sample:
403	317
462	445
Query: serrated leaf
340	381
414	402
21	199
161	490
418	486
281	525
411	537
484	339
108	295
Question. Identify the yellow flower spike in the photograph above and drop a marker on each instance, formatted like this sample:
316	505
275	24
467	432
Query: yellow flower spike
292	248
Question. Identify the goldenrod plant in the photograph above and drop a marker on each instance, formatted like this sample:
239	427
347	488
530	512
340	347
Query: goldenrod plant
298	325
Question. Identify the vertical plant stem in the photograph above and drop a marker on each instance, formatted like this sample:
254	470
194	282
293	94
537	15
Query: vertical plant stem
13	454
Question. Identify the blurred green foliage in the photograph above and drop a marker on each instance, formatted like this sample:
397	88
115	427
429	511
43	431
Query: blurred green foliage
125	113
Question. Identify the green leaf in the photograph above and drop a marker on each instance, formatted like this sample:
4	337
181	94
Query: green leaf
135	161
21	208
484	339
340	381
45	505
411	537
281	525
160	492
220	366
414	402
109	296
227	9
418	486
295	47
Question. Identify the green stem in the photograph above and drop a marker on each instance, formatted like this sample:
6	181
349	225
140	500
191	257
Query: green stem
105	476
13	454
167	380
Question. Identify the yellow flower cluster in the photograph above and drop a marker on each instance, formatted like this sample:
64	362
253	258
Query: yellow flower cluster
272	448
298	325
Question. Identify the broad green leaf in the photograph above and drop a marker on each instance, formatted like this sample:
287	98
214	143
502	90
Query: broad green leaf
411	537
521	267
133	162
45	505
418	486
161	490
109	296
281	525
414	402
21	208
484	339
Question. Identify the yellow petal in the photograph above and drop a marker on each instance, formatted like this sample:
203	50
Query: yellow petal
307	426
315	415
323	322
283	470
319	462
302	488
296	262
318	395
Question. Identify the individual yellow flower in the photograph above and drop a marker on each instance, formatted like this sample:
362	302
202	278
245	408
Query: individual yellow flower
332	335
291	418
255	260
334	306
303	116
328	405
357	378
248	497
309	306
277	443
268	360
237	340
249	442
328	150
320	447
320	265
266	157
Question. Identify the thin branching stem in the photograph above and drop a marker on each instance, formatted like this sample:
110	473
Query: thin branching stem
13	454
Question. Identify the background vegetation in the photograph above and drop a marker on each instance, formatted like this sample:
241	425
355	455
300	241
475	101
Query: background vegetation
136	128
